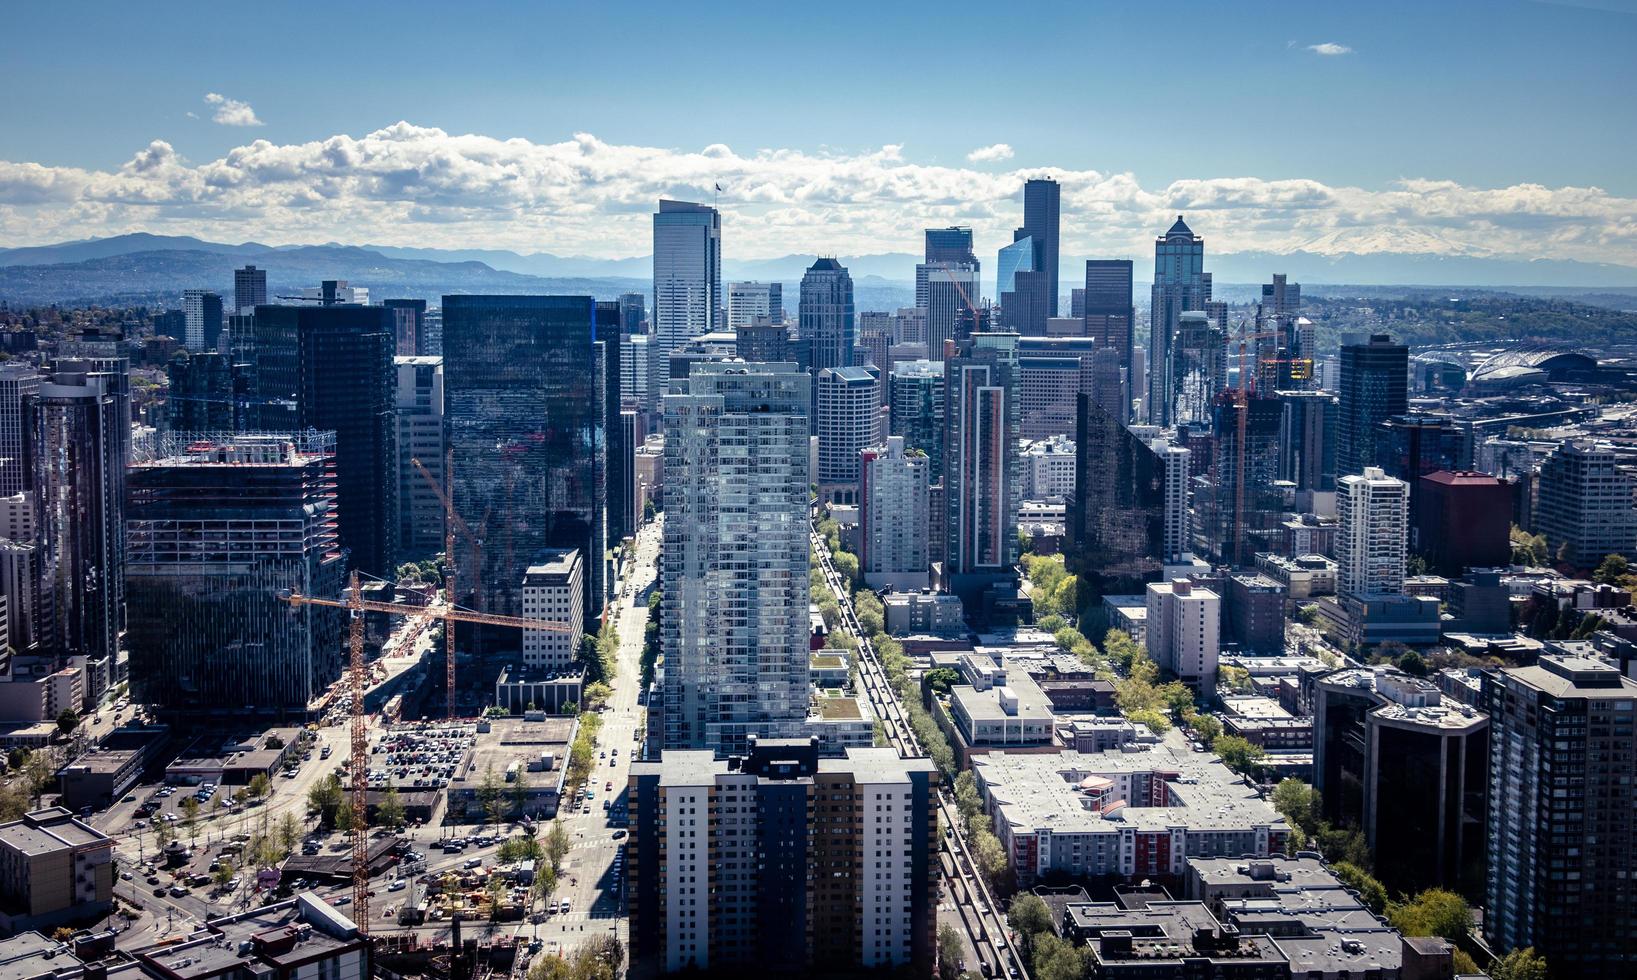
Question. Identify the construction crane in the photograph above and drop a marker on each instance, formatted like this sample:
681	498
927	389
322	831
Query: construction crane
356	606
454	520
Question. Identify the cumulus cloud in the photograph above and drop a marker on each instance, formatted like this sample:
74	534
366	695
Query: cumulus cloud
415	185
231	112
1330	49
990	154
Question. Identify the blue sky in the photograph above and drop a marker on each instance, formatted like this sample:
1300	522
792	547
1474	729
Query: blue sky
1483	97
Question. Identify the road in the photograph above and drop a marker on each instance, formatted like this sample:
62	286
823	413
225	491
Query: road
985	930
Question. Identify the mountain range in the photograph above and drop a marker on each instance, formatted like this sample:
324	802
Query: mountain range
156	268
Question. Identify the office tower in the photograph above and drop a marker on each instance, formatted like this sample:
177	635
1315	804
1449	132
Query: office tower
1463	521
825	315
20	587
1021	286
1199	368
202	313
1012	259
873	907
981	467
1108	382
74	452
910	326
1374	388
1180	285
849	416
875	342
749	300
554	590
1129	512
915	396
1307	439
1562	876
525	382
733	569
1041	200
332	292
617	451
1411	446
633	314
1052	373
635	363
1244	500
407	315
422	436
892	516
219	527
632	427
330	368
1396	757
1373	510
432	333
1583	504
951	293
249	289
201	395
1107	309
945	248
687	272
18	381
1183	632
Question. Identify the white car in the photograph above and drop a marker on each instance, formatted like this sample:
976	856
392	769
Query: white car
398	885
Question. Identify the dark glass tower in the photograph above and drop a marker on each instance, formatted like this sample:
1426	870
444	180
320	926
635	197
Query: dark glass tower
330	368
408	317
617	477
826	314
1374	387
526	382
1180	286
1041	200
1110	317
1116	519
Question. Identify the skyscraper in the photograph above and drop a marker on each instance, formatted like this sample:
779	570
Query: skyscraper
1375	380
1180	285
849	416
330	368
202	318
950	246
1307	439
422	435
687	272
1583	504
951	292
1243	500
1184	632
1373	509
218	528
915	396
1109	314
1563	781
407	316
981	464
1041	199
892	516
619	445
733	569
201	396
249	289
18	381
1018	256
749	300
1052	372
826	314
525	380
1119	532
633	314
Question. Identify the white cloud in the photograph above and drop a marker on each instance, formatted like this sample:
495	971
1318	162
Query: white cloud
232	112
989	154
1329	49
414	185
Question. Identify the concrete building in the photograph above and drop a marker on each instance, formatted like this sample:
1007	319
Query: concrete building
915	400
54	869
892	516
18	382
1181	285
554	590
924	611
748	301
1463	521
849	421
1584	504
981	463
952	291
1255	613
422	435
290	940
1375	380
825	315
1183	632
202	316
1393	755
1302	577
721	856
733	569
1048	468
249	289
998	710
1562	871
1371	541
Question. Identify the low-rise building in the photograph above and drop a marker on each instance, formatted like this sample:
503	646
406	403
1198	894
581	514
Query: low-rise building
1303	576
515	746
304	937
1048	468
54	869
1265	722
104	774
923	611
1128	614
998	710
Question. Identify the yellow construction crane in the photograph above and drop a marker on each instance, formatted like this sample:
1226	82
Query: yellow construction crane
454	520
357	606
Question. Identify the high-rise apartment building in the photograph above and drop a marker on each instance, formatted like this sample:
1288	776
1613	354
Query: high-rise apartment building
407	318
1563	786
1244	500
330	368
749	300
249	289
825	316
733	569
526	397
1583	504
1180	285
1373	533
554	590
892	516
202	319
1042	198
422	436
1183	632
687	272
849	421
1375	379
219	528
781	861
915	398
981	465
18	381
1307	439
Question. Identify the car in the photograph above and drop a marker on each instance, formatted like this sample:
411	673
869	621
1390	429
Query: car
177	891
124	876
552	908
397	885
129	798
152	879
159	892
566	907
608	787
473	863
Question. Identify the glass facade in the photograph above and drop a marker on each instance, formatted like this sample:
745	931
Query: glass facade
1015	257
525	380
1180	285
915	392
1116	521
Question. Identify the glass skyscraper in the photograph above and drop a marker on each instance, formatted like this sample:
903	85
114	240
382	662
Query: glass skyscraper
687	272
826	316
1041	202
1016	257
525	384
1180	285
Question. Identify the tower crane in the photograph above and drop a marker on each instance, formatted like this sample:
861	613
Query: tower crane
356	606
454	520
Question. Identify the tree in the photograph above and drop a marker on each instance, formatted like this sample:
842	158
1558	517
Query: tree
1233	679
1434	912
190	809
951	952
1176	696
990	857
1121	649
545	881
941	679
223	873
557	844
1206	727
67	721
260	785
1055	959
42	775
1370	891
14	802
325	796
289	831
1239	755
1612	571
871	614
343	819
966	794
390	812
1519	964
1029	917
488	793
846	565
1412	663
597	694
1151	719
1298	803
